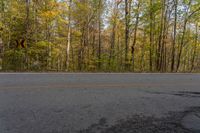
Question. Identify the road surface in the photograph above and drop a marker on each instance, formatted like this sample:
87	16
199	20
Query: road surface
99	103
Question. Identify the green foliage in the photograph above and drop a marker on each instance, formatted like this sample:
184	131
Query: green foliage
97	35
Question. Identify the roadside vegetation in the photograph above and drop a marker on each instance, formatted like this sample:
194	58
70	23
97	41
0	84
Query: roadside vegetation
100	35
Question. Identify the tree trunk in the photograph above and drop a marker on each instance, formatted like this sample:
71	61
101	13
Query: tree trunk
135	37
68	37
27	34
151	35
160	41
1	39
174	36
182	38
195	49
99	35
127	21
113	36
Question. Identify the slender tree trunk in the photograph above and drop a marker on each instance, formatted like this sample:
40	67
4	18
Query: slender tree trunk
174	36
81	50
181	46
127	22
27	34
162	64
143	53
135	36
113	36
68	37
151	36
182	38
99	35
112	46
159	49
118	56
93	49
1	40
195	49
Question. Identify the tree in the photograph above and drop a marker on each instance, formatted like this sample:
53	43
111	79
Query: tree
135	34
174	36
99	35
68	36
127	30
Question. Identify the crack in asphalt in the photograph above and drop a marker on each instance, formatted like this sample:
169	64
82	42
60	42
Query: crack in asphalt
198	115
180	93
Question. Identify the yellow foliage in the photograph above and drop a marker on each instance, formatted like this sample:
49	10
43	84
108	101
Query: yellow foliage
50	14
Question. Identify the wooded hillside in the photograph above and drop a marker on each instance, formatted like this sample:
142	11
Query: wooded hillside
100	35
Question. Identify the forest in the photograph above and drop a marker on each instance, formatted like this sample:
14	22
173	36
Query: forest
100	35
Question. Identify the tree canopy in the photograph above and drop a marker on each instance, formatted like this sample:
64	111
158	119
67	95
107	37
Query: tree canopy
100	35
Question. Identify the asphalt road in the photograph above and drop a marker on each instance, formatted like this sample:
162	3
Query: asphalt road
99	103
